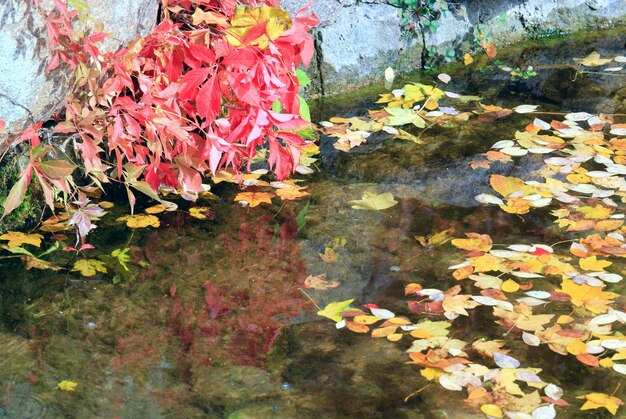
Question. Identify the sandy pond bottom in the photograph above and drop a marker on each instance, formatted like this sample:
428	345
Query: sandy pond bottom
210	320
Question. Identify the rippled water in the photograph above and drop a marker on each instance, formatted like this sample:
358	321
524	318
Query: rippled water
210	320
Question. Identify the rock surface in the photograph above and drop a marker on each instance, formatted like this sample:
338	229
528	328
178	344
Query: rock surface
357	39
27	93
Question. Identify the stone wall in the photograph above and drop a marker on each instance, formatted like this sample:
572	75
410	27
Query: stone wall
27	93
357	39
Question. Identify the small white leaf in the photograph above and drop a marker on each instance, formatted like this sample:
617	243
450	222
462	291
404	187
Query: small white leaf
444	78
505	361
530	340
382	313
485	198
553	391
525	108
544	412
389	75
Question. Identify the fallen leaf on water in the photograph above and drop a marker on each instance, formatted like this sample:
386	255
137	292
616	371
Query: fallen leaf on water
333	310
372	201
593	60
319	282
89	267
17	238
201	213
254	199
598	400
491	410
140	221
389	75
593	264
33	262
155	209
474	242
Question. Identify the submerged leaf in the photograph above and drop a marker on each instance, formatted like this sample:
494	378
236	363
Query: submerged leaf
372	201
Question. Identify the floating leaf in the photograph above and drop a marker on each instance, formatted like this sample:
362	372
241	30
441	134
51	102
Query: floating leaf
401	116
17	238
598	400
491	410
333	310
372	201
89	267
201	213
525	108
140	221
254	199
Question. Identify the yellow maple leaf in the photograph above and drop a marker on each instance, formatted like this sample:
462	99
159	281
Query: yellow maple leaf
89	267
522	317
291	193
597	212
17	238
593	264
592	298
201	213
254	199
598	400
66	385
140	220
474	242
373	201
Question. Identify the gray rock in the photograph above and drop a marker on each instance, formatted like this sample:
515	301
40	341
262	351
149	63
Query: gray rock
27	93
355	42
357	39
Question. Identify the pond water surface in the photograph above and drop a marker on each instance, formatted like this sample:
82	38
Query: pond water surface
210	319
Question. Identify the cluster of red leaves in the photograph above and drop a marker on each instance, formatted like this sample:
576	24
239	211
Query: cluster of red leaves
198	94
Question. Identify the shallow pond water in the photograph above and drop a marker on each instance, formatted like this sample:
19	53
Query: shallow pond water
210	319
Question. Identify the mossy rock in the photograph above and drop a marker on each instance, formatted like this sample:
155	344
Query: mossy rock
27	213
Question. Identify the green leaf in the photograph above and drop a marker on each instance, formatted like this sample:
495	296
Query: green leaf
372	201
303	79
122	256
333	310
301	217
51	249
305	112
145	188
277	107
400	116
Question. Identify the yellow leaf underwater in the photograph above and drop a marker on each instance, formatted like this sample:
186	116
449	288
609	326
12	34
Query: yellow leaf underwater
374	202
66	385
598	400
89	267
474	242
17	238
254	199
140	221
